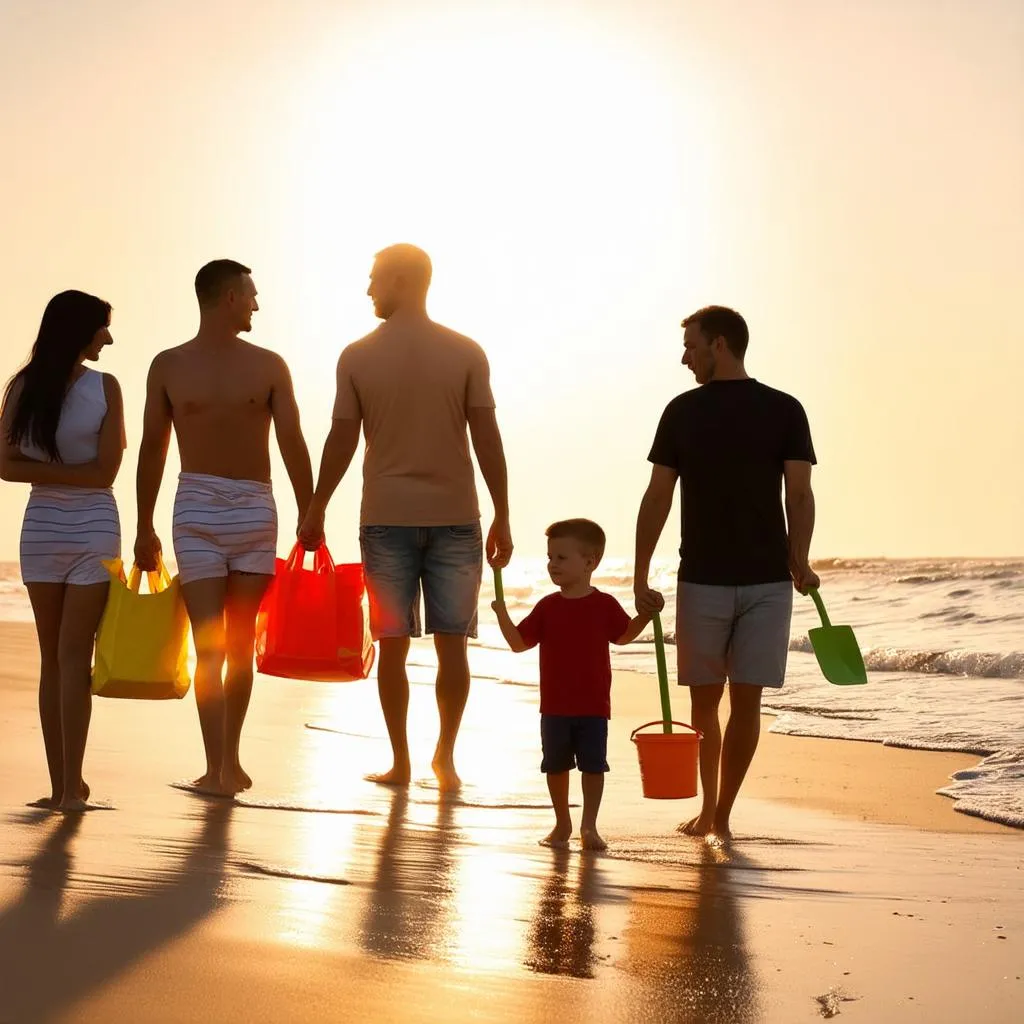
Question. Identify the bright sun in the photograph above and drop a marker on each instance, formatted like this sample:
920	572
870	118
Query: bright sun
534	161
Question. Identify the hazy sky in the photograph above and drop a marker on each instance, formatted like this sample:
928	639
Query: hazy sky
849	175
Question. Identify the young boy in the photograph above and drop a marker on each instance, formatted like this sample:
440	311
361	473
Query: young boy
574	628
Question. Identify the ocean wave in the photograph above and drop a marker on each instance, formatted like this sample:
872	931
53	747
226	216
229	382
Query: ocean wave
979	664
994	789
950	615
921	571
614	581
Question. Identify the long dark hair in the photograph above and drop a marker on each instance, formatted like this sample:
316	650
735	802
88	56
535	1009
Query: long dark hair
70	322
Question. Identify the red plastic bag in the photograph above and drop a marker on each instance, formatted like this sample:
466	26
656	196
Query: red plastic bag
312	624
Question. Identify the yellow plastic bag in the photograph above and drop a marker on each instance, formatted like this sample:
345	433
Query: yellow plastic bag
142	642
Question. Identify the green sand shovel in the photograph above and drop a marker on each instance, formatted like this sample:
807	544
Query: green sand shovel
499	590
836	649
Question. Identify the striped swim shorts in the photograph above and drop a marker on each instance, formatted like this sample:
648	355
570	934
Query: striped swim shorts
67	534
223	526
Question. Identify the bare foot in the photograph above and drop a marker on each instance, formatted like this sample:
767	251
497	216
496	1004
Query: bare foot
720	830
557	838
76	806
448	780
591	840
395	777
699	826
210	784
233	781
53	801
237	775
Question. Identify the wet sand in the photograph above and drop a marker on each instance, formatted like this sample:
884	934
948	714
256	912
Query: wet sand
320	897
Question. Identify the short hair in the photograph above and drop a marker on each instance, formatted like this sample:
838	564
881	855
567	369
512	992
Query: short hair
722	322
410	261
214	277
586	533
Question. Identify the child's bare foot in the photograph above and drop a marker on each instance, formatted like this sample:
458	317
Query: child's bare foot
699	826
448	780
558	838
590	839
400	775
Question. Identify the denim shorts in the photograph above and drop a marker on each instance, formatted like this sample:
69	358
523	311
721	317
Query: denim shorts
445	562
735	633
574	741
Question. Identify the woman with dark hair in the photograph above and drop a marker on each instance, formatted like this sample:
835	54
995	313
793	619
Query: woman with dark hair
63	433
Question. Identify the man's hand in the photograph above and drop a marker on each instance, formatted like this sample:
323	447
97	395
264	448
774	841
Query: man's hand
648	601
311	529
148	550
499	544
804	577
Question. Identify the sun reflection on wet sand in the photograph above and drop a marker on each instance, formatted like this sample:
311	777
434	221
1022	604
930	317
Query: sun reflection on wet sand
320	774
692	946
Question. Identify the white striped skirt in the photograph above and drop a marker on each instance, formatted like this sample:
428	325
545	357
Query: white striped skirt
222	526
67	534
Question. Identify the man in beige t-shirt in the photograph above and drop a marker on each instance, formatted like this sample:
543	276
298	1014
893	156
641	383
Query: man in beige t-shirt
414	387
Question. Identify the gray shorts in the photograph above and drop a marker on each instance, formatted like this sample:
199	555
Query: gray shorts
735	633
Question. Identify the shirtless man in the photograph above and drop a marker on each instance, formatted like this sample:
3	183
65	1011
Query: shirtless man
220	393
414	388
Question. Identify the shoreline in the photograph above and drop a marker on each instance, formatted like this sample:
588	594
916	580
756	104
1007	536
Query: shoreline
862	781
854	779
319	896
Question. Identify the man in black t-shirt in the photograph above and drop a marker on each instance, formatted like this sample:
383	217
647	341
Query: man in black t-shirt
730	443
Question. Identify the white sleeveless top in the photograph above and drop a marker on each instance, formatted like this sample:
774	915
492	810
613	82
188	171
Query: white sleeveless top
78	431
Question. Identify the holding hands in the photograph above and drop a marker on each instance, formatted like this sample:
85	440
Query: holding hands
311	527
648	601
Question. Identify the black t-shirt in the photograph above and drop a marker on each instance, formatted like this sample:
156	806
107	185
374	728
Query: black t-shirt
728	440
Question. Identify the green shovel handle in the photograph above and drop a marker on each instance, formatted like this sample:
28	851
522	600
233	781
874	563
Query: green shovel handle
659	654
813	594
499	590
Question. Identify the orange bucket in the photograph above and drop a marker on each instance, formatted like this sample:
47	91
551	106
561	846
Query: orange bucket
668	761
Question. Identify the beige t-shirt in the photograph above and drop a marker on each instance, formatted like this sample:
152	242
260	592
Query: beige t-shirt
412	384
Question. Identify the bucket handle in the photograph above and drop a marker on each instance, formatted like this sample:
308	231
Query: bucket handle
684	725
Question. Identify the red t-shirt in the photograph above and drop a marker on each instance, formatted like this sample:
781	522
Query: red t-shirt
575	666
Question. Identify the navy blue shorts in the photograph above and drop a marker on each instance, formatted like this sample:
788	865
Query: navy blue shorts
574	741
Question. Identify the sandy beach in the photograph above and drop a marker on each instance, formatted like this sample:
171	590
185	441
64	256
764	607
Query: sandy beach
851	888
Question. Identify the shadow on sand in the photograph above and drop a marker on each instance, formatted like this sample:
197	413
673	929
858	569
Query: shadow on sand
409	902
563	927
689	951
94	940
